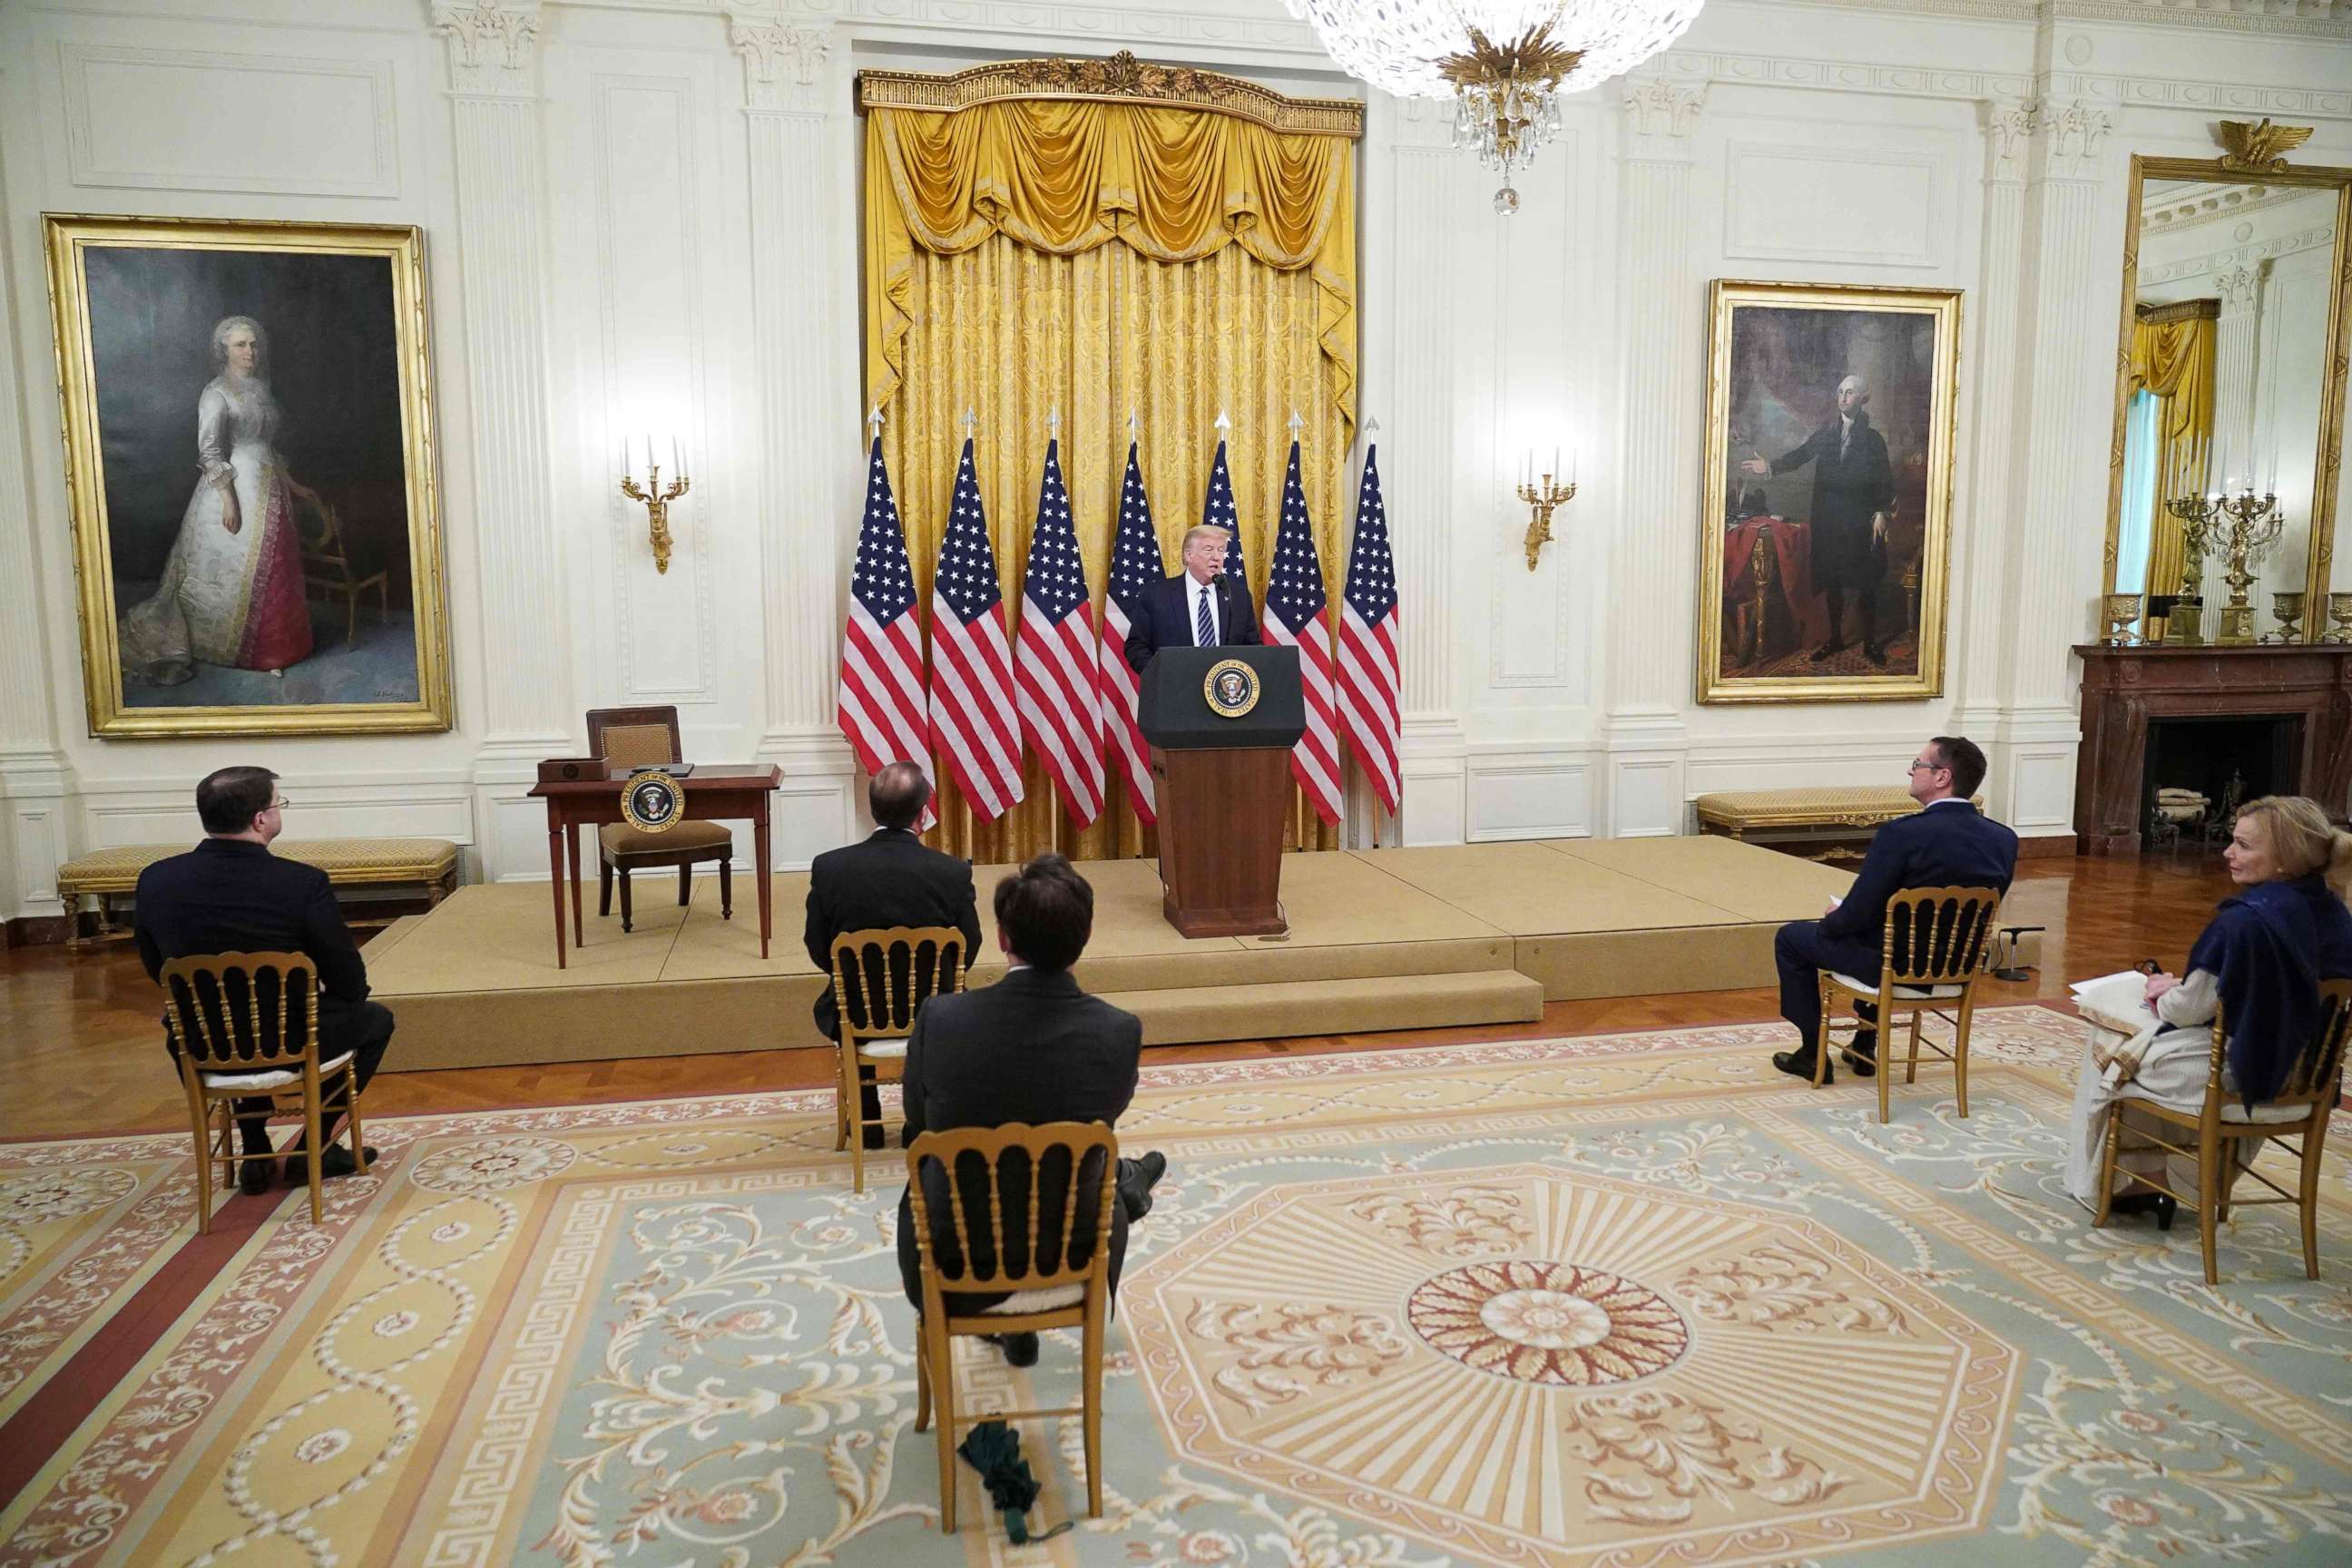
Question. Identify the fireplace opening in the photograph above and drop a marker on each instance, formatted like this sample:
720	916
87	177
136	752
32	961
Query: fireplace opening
2199	771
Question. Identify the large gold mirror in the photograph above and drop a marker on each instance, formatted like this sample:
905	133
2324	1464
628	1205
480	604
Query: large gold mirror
2226	468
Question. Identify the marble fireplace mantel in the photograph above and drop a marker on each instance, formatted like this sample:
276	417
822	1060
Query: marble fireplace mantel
2125	687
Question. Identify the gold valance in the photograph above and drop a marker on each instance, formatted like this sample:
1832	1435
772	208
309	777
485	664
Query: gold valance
1062	167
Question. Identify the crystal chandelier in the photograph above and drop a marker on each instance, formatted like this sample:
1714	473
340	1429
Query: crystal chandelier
1506	63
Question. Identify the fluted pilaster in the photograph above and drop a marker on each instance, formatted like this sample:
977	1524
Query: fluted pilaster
502	236
2066	414
1650	602
807	421
1418	434
1995	469
33	778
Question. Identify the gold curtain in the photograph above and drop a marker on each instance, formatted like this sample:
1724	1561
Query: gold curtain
992	285
2172	359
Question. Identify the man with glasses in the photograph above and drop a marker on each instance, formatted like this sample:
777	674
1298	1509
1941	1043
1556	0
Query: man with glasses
230	894
1947	842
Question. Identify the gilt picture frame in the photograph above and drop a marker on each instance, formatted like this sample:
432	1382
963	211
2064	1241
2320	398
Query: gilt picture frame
1826	530
247	417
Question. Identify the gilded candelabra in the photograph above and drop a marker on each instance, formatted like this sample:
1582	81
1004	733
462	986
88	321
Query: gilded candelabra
656	497
2185	625
1542	497
2240	525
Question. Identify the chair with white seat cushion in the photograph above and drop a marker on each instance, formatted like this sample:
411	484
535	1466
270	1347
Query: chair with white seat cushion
990	1191
243	1025
1936	945
2300	1110
879	978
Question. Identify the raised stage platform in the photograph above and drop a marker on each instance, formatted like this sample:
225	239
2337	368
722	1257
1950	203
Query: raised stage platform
1382	939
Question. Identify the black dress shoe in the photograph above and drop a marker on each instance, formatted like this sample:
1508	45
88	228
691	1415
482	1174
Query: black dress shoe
255	1176
1875	654
1829	649
1864	1064
877	1138
2163	1206
1137	1178
1799	1064
337	1162
1020	1350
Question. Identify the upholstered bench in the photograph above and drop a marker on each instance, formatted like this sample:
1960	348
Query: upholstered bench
1788	816
428	867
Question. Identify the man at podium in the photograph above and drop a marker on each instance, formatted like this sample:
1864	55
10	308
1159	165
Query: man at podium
1198	607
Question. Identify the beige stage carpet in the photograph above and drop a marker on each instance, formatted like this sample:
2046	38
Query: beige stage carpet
1379	939
1631	1300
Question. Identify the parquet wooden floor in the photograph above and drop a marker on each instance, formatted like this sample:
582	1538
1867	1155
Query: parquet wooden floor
83	1051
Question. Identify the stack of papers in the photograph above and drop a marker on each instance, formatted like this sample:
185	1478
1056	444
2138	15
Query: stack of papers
2117	1001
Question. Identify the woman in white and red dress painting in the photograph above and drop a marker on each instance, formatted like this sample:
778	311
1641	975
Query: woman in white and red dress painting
232	590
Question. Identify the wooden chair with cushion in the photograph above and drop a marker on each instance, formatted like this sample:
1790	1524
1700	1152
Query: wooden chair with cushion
244	1026
879	978
2222	1123
1937	943
328	571
644	738
1050	1288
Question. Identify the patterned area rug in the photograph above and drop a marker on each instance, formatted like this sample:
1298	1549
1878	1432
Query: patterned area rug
1628	1300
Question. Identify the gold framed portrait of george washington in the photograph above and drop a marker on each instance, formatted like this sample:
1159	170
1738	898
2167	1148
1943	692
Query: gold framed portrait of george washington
1826	525
248	437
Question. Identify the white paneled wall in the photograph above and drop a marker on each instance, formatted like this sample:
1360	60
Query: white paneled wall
641	215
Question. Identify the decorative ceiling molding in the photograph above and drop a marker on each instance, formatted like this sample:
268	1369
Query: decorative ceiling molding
2289	18
1121	79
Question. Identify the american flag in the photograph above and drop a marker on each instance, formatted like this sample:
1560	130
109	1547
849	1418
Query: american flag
1217	510
1061	700
1134	564
1297	616
972	722
880	701
1369	671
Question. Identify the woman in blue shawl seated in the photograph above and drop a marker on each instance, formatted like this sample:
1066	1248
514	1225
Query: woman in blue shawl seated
2260	964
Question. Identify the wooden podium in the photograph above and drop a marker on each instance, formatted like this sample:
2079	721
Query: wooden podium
1221	781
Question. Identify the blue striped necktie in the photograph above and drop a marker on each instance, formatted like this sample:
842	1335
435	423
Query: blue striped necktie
1205	630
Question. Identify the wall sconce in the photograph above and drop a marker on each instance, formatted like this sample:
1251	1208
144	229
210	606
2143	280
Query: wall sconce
1542	496
656	496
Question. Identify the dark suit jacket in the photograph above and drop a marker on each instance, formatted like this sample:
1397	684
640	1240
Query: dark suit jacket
1032	1048
230	895
1846	491
1165	618
1948	845
892	878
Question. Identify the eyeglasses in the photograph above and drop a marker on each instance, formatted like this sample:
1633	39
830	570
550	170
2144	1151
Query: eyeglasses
280	804
1918	762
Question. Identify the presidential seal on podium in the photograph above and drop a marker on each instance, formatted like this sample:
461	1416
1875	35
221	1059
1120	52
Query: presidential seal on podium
1231	689
652	801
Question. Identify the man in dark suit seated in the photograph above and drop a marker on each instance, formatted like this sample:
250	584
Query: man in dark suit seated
1198	607
230	894
893	878
1947	842
1033	1049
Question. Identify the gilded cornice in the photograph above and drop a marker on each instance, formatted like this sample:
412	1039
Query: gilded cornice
1121	79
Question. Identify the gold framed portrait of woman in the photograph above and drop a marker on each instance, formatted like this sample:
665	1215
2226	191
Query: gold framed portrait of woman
248	439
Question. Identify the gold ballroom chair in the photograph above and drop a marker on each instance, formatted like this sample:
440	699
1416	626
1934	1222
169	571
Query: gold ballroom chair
2301	1111
880	977
638	738
246	1025
326	568
1937	944
1050	1290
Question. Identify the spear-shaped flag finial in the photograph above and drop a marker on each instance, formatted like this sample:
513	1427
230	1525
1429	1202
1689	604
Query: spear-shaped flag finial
873	423
1295	423
1224	422
1053	422
970	421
